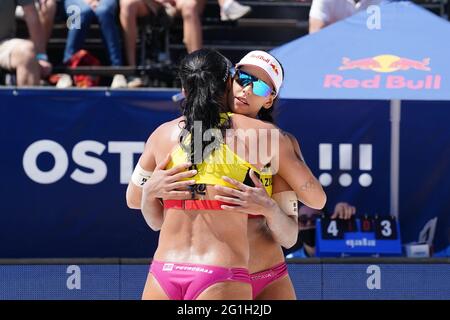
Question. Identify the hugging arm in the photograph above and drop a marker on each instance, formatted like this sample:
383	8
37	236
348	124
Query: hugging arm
297	174
255	200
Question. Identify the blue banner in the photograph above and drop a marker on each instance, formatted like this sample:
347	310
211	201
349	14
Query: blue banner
425	174
68	155
66	161
346	145
324	281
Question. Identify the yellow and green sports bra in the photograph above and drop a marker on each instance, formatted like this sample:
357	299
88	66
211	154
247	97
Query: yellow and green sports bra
222	161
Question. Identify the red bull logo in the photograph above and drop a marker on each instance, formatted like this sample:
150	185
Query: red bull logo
274	67
363	64
261	57
384	64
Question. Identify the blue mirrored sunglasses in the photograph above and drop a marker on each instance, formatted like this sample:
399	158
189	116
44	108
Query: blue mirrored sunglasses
260	88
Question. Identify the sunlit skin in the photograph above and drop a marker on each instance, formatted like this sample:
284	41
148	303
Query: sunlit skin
274	228
265	252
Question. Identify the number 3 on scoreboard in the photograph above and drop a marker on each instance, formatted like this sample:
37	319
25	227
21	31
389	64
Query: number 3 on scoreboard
386	231
386	228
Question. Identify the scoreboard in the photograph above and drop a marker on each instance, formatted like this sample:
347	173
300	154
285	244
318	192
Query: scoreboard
366	236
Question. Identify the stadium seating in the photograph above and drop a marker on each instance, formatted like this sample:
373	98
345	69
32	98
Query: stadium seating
160	46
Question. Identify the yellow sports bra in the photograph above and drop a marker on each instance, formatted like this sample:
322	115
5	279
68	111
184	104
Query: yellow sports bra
222	161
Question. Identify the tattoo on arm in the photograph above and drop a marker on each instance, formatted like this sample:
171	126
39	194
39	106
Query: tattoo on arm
309	185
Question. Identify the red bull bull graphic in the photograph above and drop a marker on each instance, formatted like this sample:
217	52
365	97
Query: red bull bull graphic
274	67
406	64
363	64
383	64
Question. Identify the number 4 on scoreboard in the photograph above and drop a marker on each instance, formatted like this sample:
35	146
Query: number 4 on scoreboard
331	229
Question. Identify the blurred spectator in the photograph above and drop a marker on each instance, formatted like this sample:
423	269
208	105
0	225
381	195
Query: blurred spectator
46	10
326	12
106	13
190	11
130	11
232	10
306	245
28	58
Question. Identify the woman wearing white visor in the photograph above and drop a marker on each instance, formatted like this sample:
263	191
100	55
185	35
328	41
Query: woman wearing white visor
257	83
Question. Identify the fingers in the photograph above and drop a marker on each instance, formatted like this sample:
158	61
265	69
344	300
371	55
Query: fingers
182	175
236	183
232	208
255	179
229	191
181	184
179	168
343	211
339	212
230	200
348	213
162	165
46	68
351	212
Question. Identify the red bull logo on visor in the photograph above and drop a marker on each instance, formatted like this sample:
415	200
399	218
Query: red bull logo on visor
274	67
383	64
259	56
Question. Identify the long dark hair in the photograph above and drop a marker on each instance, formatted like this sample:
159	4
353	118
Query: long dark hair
267	114
204	75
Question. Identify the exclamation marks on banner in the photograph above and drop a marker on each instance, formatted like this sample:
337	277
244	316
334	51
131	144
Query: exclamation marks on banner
345	163
325	163
365	163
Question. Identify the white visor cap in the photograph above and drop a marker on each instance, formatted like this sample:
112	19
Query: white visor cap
266	62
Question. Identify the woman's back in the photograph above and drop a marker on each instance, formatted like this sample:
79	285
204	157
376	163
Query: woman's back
210	236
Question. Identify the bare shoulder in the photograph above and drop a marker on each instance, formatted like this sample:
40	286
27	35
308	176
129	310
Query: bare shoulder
161	141
167	129
293	144
169	126
293	139
247	122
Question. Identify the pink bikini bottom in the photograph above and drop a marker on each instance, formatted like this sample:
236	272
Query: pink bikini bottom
262	279
185	281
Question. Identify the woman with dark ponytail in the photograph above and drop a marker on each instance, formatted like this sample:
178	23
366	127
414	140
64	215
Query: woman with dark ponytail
205	89
201	253
256	85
